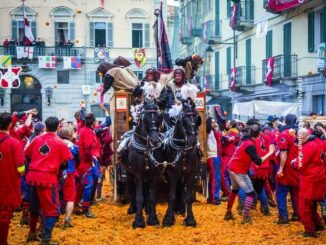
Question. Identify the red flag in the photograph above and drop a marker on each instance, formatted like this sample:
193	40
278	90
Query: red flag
102	4
269	71
234	15
279	6
233	79
29	37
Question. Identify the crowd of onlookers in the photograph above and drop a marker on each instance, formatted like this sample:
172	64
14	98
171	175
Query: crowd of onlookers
265	162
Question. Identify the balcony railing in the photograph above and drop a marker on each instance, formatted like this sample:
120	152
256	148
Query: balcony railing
211	31
46	51
245	75
244	15
185	36
285	66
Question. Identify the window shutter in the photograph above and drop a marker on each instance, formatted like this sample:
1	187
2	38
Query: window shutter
33	25
322	25
217	70
269	44
72	31
287	49
228	60
217	17
147	35
109	35
14	29
311	32
228	8
91	34
248	61
287	39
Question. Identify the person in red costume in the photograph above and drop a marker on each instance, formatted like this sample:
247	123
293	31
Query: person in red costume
239	166
22	132
287	180
230	141
47	153
89	155
80	116
11	167
311	167
260	173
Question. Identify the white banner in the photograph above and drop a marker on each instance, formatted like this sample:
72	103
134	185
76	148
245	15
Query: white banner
261	29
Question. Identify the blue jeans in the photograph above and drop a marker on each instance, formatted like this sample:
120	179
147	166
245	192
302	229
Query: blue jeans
281	194
214	165
241	181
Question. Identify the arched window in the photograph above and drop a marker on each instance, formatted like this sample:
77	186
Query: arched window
101	28
17	22
140	35
64	25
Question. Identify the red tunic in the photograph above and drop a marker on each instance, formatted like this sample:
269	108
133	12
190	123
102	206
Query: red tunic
218	137
21	133
240	161
230	146
88	147
312	171
262	146
46	153
286	142
11	157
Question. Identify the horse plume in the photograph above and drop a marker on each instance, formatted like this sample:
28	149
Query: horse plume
151	92
189	91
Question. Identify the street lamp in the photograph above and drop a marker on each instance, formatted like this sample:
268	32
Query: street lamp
2	96
49	93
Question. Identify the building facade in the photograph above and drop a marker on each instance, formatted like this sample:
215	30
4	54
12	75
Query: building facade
293	37
88	30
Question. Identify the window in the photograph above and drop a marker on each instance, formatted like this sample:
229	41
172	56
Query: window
316	32
18	31
269	44
287	49
98	112
64	32
139	74
140	35
318	104
101	34
63	76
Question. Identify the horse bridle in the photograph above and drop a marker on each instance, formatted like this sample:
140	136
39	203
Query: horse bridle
191	114
151	128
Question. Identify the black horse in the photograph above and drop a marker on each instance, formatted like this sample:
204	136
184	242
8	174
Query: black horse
145	144
183	158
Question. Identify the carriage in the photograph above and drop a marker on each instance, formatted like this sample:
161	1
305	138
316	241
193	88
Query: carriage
120	103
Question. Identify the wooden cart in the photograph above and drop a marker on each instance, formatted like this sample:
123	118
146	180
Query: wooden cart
120	103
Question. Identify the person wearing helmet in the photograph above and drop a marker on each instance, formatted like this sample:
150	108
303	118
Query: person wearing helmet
179	79
151	77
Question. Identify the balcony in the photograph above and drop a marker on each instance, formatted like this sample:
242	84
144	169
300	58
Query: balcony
270	6
185	37
285	67
46	51
245	78
244	15
212	31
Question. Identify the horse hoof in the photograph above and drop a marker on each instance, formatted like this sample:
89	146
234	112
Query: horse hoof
153	221
168	221
190	222
138	223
